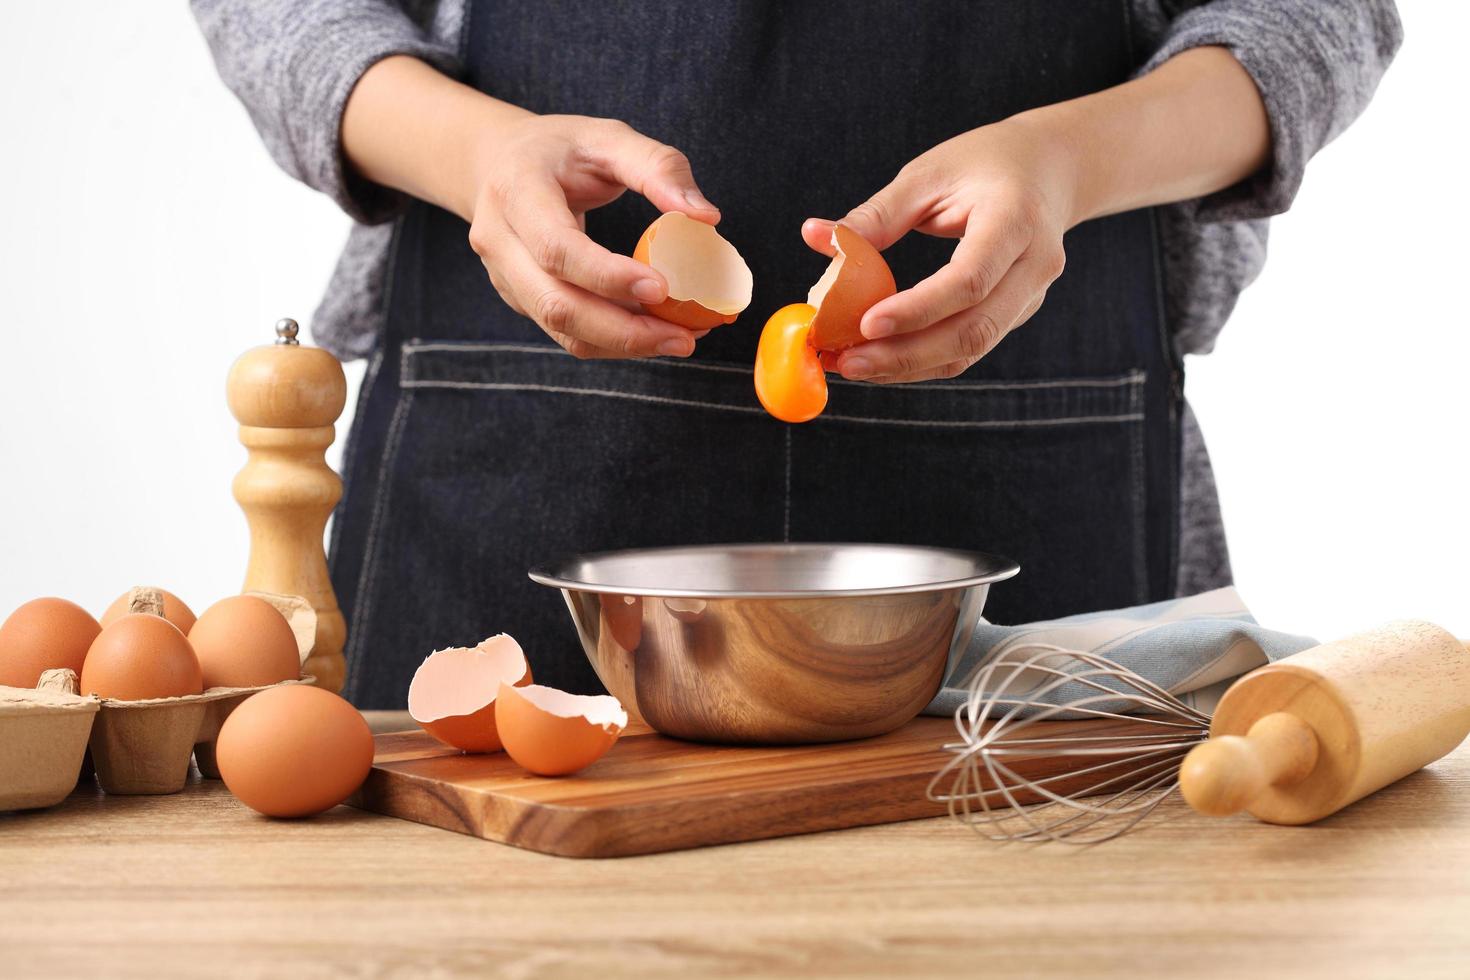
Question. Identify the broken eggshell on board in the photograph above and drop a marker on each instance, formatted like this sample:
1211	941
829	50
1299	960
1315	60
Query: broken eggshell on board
454	691
553	733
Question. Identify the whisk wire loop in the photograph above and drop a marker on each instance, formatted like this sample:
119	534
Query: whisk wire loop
1009	779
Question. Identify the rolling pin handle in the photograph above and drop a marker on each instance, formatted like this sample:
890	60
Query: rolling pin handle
1226	774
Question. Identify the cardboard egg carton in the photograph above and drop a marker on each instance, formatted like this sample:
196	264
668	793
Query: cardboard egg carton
137	747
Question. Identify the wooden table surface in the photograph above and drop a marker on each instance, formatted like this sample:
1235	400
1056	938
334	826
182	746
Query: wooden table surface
195	884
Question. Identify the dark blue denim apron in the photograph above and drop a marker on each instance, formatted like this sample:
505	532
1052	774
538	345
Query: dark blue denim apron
479	448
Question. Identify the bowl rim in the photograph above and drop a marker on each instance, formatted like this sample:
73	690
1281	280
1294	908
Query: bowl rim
556	573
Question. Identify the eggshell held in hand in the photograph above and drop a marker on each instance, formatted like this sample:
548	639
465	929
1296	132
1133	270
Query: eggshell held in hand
243	641
553	733
293	751
175	610
41	635
856	279
709	283
453	692
140	657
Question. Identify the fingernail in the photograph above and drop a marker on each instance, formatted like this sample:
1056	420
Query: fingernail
881	327
698	201
648	291
676	347
857	368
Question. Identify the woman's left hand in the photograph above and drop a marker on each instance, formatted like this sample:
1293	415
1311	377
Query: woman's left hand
1006	192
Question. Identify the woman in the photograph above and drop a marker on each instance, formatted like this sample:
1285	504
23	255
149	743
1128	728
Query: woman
1141	144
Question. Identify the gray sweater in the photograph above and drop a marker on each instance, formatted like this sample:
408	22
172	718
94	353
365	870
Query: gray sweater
293	64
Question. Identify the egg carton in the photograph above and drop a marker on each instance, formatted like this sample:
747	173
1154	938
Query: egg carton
136	747
43	739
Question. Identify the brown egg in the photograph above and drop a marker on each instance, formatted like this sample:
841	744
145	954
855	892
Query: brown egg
243	641
855	280
709	283
553	733
452	694
293	751
175	610
140	657
41	635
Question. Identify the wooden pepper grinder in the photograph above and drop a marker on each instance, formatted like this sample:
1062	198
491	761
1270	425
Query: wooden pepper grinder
1297	740
287	399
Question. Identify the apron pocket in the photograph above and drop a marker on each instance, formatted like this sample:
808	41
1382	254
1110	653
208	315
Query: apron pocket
502	456
1051	473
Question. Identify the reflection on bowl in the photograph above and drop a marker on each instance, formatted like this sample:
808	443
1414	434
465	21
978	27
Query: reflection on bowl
778	643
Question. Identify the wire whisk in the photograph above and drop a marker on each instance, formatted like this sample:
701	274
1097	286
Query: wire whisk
1017	774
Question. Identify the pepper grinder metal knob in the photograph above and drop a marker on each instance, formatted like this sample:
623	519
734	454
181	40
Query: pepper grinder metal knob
287	398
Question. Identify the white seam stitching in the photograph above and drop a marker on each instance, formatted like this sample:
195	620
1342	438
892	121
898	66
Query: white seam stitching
1133	378
564	390
786	516
661	400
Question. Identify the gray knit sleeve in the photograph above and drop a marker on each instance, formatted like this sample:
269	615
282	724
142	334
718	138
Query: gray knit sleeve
1316	63
293	64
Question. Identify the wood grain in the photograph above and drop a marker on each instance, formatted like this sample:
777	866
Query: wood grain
287	399
192	884
652	793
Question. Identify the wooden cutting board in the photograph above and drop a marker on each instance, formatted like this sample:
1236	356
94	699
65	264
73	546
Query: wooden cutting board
652	793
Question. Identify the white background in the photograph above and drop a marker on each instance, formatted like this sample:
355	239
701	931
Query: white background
146	240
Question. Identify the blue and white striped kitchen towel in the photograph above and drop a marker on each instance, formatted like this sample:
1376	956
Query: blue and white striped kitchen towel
1193	647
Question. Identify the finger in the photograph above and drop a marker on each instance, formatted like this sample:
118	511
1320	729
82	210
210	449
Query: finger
986	252
944	372
566	311
540	218
891	213
658	172
817	233
966	336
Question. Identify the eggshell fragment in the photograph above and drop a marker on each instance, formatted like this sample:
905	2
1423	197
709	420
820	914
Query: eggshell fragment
243	641
141	656
293	751
856	279
175	610
454	691
553	733
709	283
41	635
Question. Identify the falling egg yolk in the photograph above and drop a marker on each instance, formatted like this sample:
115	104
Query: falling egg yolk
789	380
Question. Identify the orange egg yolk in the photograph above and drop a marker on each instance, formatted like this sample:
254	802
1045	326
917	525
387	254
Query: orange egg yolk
789	379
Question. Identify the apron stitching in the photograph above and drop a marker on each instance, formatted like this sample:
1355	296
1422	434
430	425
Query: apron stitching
1140	503
1132	416
565	390
786	519
367	577
1132	378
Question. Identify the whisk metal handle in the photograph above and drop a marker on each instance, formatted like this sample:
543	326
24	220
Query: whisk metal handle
1227	774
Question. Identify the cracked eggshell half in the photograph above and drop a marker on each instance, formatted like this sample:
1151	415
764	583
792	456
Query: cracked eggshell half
553	733
856	279
709	283
454	692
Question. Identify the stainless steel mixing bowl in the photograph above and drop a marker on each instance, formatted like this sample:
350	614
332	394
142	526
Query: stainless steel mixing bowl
775	643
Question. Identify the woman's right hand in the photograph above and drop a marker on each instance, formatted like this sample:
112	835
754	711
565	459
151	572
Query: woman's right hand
538	179
524	183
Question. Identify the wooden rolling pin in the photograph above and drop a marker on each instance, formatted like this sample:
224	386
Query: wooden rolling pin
1299	739
287	398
